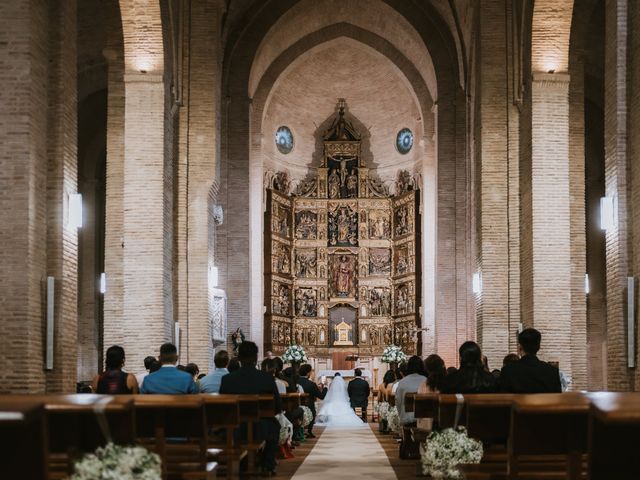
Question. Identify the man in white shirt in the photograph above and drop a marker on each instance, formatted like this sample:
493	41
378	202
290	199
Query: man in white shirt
148	362
211	383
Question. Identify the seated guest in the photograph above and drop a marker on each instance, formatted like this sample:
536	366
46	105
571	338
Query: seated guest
384	390
529	375
512	357
471	377
249	380
401	372
193	370
269	366
148	364
290	384
234	365
409	384
211	383
168	379
314	393
436	373
114	381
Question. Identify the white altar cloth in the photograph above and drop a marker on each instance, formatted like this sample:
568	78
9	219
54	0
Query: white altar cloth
343	373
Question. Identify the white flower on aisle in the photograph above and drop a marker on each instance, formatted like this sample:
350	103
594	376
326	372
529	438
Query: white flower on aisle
447	449
294	353
115	461
393	353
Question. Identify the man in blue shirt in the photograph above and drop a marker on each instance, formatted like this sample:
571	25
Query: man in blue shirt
211	383
169	379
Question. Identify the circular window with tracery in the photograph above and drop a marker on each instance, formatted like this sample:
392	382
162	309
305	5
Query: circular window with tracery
284	140
404	141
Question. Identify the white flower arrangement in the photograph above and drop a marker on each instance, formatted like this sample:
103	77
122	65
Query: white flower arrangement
382	409
393	353
446	450
118	462
284	435
393	419
294	353
307	418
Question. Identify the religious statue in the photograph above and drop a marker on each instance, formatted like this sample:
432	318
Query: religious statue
306	264
404	182
282	260
352	184
387	336
334	185
374	335
322	336
379	225
281	182
306	225
342	276
401	220
306	304
402	260
343	226
380	302
379	261
402	297
311	336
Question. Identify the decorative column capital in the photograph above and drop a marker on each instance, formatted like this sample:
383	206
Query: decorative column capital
551	80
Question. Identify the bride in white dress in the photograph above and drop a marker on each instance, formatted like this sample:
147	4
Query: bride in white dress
336	408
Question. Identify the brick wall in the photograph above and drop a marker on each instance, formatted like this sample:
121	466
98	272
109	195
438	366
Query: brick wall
616	182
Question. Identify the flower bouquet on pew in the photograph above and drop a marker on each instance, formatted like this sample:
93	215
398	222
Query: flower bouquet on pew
393	420
294	354
116	461
393	354
307	417
382	410
447	449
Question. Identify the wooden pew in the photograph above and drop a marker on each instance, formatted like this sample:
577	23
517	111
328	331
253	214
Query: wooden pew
291	401
175	426
223	413
74	426
614	429
250	415
551	428
23	439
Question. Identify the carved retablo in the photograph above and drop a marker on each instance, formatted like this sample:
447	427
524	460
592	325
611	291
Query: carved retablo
340	254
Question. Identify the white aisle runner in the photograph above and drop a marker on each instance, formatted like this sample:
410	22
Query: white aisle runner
346	453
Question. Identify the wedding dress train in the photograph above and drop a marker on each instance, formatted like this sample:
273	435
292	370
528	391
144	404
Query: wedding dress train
336	408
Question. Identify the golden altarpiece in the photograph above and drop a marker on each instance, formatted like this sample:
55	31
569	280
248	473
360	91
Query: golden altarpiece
342	257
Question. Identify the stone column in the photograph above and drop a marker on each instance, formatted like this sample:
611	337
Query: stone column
198	158
23	168
619	377
492	192
550	278
135	241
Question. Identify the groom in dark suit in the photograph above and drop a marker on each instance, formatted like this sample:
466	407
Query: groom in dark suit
314	392
359	393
